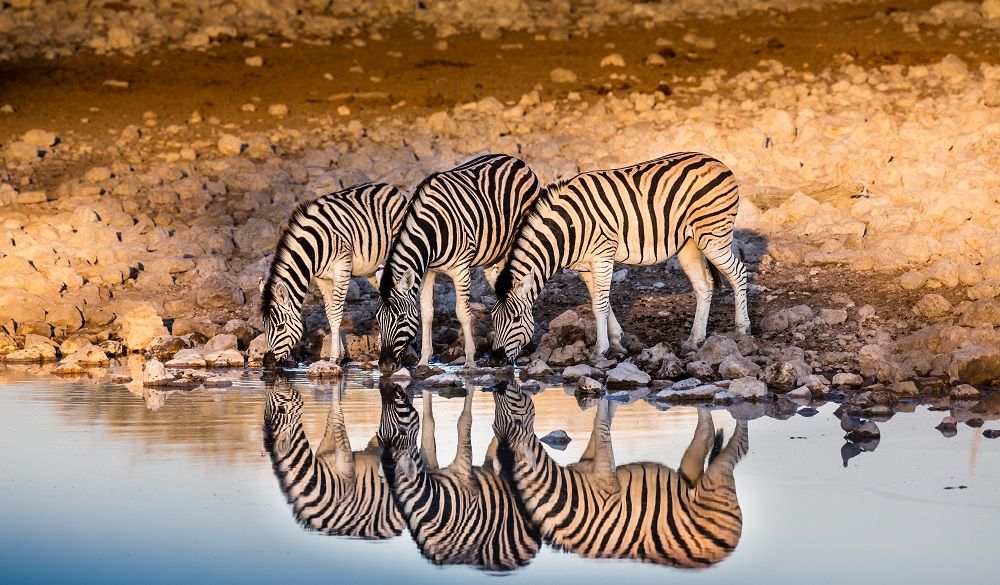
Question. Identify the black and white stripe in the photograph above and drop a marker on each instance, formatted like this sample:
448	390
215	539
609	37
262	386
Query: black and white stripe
459	514
457	220
642	511
330	239
334	490
683	203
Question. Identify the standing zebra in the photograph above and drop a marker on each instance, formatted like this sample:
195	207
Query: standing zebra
334	491
460	514
683	203
331	239
643	511
457	220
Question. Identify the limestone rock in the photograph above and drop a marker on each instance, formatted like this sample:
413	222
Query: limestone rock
932	305
627	374
140	326
155	374
786	318
222	341
324	369
748	388
736	366
716	348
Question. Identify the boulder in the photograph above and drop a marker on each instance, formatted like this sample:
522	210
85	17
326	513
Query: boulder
878	363
219	292
165	346
71	344
700	369
65	316
571	354
651	359
256	350
847	379
35	353
781	375
831	316
88	355
446	380
981	313
140	325
538	369
588	385
241	329
975	365
556	439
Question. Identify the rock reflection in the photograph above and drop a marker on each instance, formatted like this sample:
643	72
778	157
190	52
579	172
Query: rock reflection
643	511
460	514
333	490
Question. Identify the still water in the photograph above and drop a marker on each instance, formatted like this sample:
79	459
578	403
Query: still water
264	482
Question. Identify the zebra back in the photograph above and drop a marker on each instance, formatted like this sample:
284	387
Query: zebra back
334	491
643	511
468	214
359	221
640	214
457	515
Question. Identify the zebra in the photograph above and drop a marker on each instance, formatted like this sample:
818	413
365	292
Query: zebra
459	514
457	220
643	511
334	490
683	203
329	239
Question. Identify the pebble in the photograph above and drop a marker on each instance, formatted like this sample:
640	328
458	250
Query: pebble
613	60
255	61
277	110
557	439
560	75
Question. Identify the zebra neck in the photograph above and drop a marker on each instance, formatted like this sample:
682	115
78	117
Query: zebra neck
534	469
298	469
540	249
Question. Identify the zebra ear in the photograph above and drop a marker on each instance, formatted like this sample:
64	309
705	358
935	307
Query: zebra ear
525	286
281	293
406	282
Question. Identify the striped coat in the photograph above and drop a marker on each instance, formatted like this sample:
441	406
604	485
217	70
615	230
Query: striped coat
683	203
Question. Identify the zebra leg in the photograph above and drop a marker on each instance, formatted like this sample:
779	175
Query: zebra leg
462	465
693	461
426	318
462	278
722	257
336	445
600	301
693	264
614	328
598	459
333	285
428	444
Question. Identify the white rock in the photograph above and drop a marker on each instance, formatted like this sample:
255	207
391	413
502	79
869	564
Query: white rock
155	374
590	385
222	341
230	145
627	373
255	61
324	369
140	326
847	379
748	388
277	110
560	75
613	60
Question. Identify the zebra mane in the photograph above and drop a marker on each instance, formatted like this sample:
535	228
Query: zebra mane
385	284
267	295
505	280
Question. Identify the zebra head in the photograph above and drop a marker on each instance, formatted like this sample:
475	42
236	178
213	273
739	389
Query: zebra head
514	419
282	415
397	317
398	430
513	320
282	323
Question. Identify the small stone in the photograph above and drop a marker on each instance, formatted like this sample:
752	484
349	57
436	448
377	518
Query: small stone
578	371
155	374
912	280
700	369
217	382
556	439
716	348
906	388
686	384
88	355
324	369
588	385
847	379
964	391
786	318
230	145
932	305
866	432
277	110
947	425
748	388
538	369
800	392
781	375
832	316
627	374
446	380
613	60
166	346
736	366
222	341
560	75
255	61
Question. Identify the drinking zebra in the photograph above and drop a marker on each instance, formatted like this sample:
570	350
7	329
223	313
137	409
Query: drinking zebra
330	239
683	203
460	514
334	490
457	220
642	511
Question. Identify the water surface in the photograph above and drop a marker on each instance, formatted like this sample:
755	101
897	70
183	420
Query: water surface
110	484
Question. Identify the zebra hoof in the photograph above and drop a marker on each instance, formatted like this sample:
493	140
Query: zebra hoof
597	356
618	350
689	347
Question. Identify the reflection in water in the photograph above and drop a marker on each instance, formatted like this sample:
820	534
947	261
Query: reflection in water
334	490
460	514
643	511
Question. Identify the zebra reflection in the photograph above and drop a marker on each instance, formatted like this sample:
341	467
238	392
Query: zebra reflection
643	511
460	514
334	490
